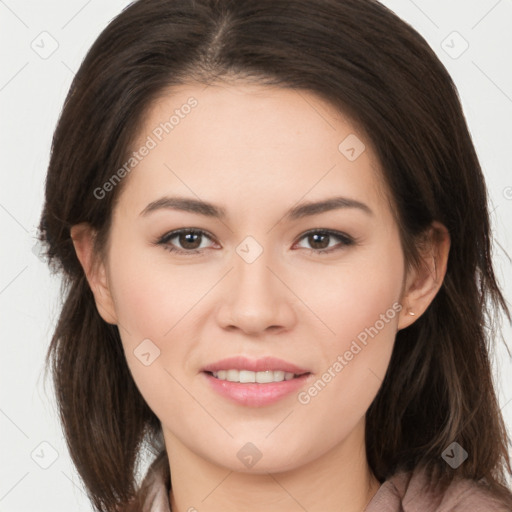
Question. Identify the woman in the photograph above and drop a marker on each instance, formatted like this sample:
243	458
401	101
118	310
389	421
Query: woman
274	230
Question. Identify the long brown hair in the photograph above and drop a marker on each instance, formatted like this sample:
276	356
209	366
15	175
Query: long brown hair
373	67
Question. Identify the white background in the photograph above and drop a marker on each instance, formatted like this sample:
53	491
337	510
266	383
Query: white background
32	91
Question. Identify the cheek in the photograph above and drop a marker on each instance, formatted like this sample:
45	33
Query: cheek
151	295
155	305
361	305
360	294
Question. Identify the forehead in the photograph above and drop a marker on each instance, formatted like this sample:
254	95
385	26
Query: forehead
240	142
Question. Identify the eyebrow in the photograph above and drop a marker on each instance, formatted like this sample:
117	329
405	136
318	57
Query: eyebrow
211	210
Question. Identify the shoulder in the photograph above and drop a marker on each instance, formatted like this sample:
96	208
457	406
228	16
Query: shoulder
410	492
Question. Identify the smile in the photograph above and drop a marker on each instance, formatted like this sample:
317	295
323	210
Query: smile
246	376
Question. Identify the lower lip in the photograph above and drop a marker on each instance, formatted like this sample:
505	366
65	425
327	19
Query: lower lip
254	394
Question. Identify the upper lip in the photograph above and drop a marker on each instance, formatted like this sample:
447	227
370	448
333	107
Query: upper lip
254	365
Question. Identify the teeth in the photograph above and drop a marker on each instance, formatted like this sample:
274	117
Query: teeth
248	376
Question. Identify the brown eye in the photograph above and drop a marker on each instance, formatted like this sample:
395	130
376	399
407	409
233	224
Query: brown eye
320	241
184	241
189	240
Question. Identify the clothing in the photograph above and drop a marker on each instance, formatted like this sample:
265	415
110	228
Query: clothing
401	493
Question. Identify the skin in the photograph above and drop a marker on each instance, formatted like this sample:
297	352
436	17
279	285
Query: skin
258	151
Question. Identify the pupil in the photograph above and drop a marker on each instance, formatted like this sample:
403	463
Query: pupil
189	238
314	239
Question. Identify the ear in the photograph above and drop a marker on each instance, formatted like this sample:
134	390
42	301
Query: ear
423	283
83	236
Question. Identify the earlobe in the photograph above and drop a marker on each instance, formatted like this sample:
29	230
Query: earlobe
83	236
423	283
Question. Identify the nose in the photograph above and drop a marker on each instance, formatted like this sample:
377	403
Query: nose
256	298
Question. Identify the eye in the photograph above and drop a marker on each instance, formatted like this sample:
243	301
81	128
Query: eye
190	240
320	240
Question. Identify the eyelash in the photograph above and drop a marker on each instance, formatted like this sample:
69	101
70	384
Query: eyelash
345	240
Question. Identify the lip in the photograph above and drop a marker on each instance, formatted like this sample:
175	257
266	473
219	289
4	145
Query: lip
254	365
255	394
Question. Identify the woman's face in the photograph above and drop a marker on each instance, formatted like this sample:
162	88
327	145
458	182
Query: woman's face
260	278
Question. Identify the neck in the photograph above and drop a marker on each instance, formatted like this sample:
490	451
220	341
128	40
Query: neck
339	480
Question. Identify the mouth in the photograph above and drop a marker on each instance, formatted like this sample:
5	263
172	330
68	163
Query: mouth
255	382
251	377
